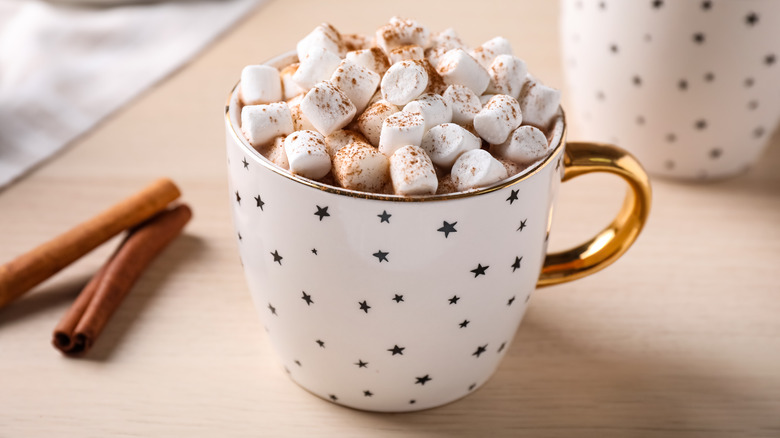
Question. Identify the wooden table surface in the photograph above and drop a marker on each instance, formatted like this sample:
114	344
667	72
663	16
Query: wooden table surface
681	337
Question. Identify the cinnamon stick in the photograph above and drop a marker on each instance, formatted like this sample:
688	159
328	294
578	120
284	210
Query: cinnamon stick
28	270
89	314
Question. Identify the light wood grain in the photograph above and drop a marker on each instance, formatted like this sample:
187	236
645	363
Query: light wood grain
681	337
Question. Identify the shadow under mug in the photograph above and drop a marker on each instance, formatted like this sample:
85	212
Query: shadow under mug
390	303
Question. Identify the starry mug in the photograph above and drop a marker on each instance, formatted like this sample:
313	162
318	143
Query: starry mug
390	303
690	87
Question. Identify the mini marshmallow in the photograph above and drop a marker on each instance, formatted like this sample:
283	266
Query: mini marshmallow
327	108
261	123
446	142
487	52
477	168
373	59
400	32
464	103
447	39
458	67
406	53
539	103
434	109
300	122
359	166
260	84
324	36
507	75
370	122
316	66
498	118
355	41
289	87
403	82
399	130
307	154
526	145
412	172
341	138
357	82
275	152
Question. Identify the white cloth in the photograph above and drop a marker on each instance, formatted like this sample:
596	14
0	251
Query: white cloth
64	68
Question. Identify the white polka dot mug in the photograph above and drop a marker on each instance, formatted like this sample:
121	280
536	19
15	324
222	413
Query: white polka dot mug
386	303
692	88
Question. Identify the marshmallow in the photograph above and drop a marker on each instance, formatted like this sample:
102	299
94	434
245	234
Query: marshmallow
357	82
403	82
487	52
445	143
477	168
370	122
323	37
316	66
458	67
526	145
307	154
275	152
327	108
498	118
289	87
464	103
434	109
373	59
406	53
447	39
261	123
355	41
412	172
260	84
507	75
358	166
300	122
400	32
399	130
341	138
539	103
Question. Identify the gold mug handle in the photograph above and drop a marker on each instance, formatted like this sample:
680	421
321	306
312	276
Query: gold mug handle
607	246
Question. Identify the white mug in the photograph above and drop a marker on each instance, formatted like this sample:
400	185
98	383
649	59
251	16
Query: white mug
692	88
390	303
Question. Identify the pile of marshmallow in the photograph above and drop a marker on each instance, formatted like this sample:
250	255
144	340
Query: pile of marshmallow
444	119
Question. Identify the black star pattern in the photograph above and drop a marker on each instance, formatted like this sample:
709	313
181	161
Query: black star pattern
512	197
479	270
706	5
501	348
516	265
769	59
333	397
709	76
448	228
322	212
277	257
510	301
751	19
671	138
716	153
238	198
600	95
701	124
602	5
246	163
382	256
753	104
364	306
239	237
306	297
698	38
637	80
669	165
682	85
522	223
411	402
361	364
272	309
297	362
640	120
320	343
758	132
397	350
658	3
398	298
472	386
613	48
384	217
464	324
527	297
558	164
260	202
749	82
368	393
314	251
423	380
481	349
454	299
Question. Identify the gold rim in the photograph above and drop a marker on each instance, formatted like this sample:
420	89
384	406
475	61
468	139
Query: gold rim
249	150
